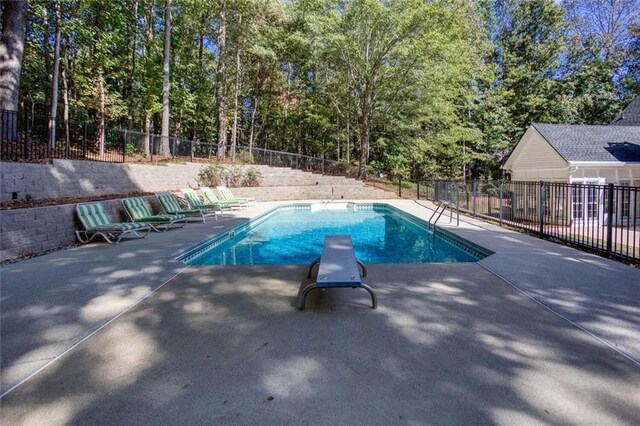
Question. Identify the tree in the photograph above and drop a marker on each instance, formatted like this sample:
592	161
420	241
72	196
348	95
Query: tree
56	73
599	57
11	50
530	44
164	149
221	36
372	43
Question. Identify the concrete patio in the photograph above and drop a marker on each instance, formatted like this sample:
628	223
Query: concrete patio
104	334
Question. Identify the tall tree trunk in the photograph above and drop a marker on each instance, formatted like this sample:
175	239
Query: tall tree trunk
252	123
102	112
65	103
132	74
11	49
365	134
348	119
56	73
164	150
220	82
194	132
236	96
147	119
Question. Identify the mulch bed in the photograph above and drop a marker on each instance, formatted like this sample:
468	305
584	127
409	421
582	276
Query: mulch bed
25	204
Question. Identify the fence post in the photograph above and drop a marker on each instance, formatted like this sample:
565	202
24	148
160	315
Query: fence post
457	205
151	146
474	193
418	187
400	187
124	147
500	203
26	135
191	151
84	141
541	207
609	217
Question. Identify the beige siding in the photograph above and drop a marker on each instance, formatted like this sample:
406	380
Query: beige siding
536	154
547	175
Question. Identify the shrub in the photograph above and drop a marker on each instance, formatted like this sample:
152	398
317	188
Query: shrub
252	177
235	176
245	157
232	176
212	175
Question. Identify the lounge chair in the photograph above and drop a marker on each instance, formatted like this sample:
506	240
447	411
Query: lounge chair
228	196
170	204
211	197
138	211
338	268
96	223
195	202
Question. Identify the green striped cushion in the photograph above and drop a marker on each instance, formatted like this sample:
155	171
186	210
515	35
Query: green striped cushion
210	195
192	198
92	215
128	226
169	203
162	218
137	208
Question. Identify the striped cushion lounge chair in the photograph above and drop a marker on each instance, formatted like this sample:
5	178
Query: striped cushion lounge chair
227	195
96	223
211	197
138	211
170	204
195	202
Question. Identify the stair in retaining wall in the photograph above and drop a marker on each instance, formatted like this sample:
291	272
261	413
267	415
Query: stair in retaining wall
283	183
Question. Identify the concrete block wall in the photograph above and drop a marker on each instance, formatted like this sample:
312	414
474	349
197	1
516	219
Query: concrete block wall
70	178
38	229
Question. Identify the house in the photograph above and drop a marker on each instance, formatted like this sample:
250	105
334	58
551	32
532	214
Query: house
584	155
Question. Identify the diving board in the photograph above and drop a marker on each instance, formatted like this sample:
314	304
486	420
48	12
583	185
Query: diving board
338	268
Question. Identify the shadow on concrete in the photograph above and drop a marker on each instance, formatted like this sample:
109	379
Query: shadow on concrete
450	343
49	303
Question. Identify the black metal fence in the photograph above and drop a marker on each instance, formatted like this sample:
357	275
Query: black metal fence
602	218
147	147
27	137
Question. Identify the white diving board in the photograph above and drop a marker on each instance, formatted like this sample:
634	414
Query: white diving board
338	268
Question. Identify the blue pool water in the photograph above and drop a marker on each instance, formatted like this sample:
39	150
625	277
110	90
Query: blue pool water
293	235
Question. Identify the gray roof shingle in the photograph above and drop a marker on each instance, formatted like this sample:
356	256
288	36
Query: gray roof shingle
630	116
593	143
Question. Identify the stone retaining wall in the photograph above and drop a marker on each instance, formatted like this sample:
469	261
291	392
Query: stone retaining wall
38	229
72	178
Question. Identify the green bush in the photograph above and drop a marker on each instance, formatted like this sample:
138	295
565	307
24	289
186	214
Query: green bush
212	175
245	157
252	177
235	176
232	176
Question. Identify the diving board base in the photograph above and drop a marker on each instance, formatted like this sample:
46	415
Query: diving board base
303	295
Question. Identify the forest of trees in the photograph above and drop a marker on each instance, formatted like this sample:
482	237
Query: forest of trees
420	88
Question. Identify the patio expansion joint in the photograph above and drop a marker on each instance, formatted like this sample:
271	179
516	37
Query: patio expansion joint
87	337
558	314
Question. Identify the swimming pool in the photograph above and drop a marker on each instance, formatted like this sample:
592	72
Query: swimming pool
294	234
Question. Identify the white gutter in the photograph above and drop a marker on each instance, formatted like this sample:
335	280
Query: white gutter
601	163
